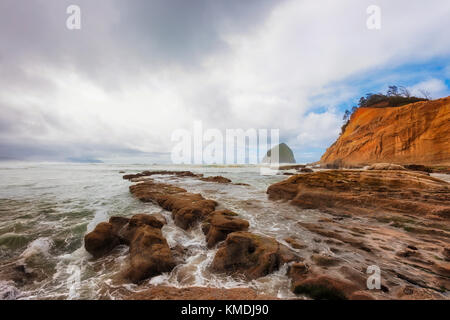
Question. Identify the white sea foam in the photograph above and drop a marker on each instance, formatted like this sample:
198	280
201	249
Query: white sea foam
40	246
8	291
100	216
73	199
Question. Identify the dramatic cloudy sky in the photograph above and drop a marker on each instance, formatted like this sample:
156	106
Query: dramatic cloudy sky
138	70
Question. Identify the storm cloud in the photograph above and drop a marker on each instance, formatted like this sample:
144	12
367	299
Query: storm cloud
136	71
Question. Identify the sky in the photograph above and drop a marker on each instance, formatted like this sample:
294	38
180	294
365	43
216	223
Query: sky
136	71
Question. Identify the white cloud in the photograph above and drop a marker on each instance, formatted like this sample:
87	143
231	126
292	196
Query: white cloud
447	72
270	76
318	130
435	87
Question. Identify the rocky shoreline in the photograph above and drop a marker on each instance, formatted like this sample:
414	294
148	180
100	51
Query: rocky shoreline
395	219
398	220
242	252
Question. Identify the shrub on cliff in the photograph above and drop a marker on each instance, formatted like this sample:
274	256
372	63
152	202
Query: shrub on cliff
395	96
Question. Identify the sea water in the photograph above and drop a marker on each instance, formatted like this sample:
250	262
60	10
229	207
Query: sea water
47	208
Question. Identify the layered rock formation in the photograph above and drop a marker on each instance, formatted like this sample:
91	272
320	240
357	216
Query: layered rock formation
187	208
417	133
320	285
221	223
252	255
101	240
198	293
242	252
397	220
218	179
360	191
150	254
145	176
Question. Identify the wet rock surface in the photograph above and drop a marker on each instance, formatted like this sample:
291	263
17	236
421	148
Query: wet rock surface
335	245
295	243
418	167
251	255
126	231
221	223
386	166
317	284
242	252
161	172
150	254
150	191
143	176
355	228
198	293
101	240
359	191
187	208
395	220
218	179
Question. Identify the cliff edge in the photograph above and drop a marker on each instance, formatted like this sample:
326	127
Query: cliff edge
416	133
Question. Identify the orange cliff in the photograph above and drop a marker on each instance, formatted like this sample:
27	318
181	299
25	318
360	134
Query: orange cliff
416	133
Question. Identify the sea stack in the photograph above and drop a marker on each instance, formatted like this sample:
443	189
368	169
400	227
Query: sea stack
285	154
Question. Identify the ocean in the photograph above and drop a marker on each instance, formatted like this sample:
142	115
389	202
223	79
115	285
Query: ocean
47	208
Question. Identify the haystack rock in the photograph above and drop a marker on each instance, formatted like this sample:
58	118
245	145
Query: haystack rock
416	133
285	154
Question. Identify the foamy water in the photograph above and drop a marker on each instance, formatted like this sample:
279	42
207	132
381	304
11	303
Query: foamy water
46	209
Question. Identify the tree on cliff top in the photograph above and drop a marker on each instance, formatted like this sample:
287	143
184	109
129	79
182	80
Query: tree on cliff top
395	96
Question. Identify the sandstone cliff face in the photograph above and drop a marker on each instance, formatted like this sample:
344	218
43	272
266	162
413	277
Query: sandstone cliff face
416	133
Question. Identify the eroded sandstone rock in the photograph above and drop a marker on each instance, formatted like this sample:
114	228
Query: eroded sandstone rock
150	254
221	223
145	176
386	166
198	293
319	285
446	253
359	191
324	260
217	179
409	292
415	133
101	240
150	191
295	243
148	173
187	208
126	233
252	255
118	223
418	167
